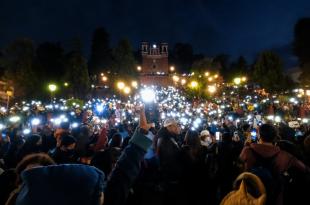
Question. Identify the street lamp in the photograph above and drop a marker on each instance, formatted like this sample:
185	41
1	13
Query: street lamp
183	81
172	68
207	74
134	84
176	78
52	88
104	78
139	68
9	94
211	89
127	90
66	84
120	85
237	81
194	84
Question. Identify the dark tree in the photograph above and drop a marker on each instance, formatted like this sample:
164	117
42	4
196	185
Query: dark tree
238	68
302	48
100	58
18	61
223	60
124	63
268	72
77	75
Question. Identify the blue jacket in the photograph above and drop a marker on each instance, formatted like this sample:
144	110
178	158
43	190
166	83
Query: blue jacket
81	184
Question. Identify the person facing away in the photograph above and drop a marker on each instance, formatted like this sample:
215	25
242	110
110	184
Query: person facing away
265	149
71	184
168	150
65	153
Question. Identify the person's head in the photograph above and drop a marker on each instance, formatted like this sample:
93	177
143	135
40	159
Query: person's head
106	160
32	161
116	140
67	143
205	135
172	126
227	137
267	133
192	139
65	125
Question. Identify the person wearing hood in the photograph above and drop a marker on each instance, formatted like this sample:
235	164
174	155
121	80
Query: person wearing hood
169	155
72	184
265	148
205	138
65	153
33	144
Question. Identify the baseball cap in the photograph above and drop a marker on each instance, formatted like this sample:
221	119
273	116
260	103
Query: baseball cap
204	133
170	121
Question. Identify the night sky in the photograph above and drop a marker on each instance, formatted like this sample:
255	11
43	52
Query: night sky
235	27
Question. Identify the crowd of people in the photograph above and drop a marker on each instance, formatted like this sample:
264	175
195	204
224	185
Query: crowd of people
171	150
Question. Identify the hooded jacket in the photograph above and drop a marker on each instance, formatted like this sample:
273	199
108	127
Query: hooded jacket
283	160
169	155
61	184
80	184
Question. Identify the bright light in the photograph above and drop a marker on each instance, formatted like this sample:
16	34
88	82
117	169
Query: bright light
211	88
2	126
26	131
121	85
134	84
35	121
207	74
172	68
74	125
270	117
14	119
148	95
104	78
308	92
57	121
52	87
277	119
194	84
66	84
127	90
243	79
139	68
99	108
305	120
292	100
183	81
210	78
237	81
216	76
176	78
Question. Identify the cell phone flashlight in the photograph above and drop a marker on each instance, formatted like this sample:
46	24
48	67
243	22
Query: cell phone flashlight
217	136
254	135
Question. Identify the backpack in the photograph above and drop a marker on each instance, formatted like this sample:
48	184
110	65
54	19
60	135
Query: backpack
243	195
273	181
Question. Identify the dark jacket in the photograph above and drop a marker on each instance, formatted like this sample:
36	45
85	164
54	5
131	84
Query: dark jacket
81	184
283	162
169	155
61	184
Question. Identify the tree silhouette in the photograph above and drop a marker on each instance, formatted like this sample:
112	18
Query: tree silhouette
302	48
267	72
100	58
